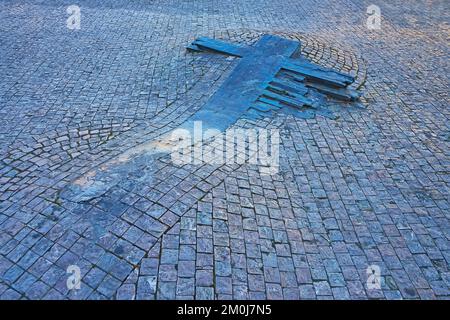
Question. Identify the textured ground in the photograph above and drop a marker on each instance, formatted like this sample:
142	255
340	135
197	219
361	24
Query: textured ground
370	188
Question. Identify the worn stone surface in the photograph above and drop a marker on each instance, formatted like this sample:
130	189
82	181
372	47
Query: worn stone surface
369	188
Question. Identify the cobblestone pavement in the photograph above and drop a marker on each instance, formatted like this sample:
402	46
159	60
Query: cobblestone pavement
369	188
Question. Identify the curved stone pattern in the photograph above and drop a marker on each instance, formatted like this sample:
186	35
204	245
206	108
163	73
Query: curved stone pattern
369	188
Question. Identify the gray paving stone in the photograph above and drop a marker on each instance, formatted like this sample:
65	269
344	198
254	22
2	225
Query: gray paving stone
322	288
166	290
185	287
186	269
204	293
223	285
274	291
37	291
149	266
94	277
167	273
126	291
10	294
109	286
307	291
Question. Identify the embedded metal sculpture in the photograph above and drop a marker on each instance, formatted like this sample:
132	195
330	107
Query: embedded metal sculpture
268	79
